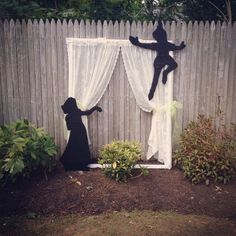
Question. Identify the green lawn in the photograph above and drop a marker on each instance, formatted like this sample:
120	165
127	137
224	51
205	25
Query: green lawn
118	223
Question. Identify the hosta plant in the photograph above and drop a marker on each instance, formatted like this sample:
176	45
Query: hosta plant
119	159
24	148
206	153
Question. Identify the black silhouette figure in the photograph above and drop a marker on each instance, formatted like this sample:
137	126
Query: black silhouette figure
76	155
163	58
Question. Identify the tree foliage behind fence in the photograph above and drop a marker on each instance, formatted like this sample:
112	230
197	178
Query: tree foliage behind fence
34	76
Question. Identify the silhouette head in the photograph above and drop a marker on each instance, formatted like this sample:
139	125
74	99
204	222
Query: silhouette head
69	105
160	34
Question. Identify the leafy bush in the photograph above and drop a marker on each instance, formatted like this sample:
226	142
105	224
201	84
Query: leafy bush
24	148
119	158
206	153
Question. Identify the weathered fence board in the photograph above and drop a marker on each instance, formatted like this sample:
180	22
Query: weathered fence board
231	79
4	118
34	76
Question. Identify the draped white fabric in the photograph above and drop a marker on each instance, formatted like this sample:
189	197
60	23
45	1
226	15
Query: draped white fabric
91	64
139	68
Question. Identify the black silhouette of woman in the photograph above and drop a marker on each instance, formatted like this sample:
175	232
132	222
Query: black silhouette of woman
163	58
76	155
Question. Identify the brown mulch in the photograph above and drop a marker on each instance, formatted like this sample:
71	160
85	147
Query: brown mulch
89	193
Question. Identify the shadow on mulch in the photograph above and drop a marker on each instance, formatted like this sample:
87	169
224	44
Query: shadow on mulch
91	193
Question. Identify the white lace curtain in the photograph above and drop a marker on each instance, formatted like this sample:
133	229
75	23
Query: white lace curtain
139	68
91	64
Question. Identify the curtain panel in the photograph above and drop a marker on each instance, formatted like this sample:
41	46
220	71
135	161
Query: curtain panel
91	64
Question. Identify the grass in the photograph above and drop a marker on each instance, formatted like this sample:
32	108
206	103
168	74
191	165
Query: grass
136	223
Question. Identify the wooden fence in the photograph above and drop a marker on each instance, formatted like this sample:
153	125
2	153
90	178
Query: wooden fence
34	76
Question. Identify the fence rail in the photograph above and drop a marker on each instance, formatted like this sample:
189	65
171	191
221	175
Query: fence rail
34	75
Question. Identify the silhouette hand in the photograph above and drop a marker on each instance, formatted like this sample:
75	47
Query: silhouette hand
182	45
99	109
133	40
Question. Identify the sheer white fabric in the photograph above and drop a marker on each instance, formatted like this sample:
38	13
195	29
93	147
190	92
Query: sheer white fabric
91	64
139	68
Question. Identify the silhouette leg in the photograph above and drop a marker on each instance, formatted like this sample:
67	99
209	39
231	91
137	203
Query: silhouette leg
154	83
171	66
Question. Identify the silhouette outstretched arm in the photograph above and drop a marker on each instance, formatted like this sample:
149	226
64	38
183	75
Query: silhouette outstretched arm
89	112
173	47
135	41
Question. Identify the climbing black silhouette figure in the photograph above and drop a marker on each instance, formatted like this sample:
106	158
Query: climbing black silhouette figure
76	155
163	58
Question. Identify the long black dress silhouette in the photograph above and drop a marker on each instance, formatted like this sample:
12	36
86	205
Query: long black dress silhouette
163	58
76	155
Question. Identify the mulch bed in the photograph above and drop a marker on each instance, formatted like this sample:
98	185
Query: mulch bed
89	193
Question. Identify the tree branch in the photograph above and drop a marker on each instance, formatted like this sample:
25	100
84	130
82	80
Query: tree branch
221	12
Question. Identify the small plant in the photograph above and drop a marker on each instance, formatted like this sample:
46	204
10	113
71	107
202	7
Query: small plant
24	148
119	159
206	153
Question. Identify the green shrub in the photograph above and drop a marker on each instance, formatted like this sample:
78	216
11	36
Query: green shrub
205	153
24	148
119	158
